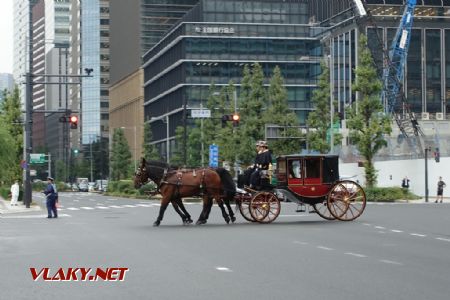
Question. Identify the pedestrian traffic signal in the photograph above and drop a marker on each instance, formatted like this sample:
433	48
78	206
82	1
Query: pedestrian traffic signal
73	122
437	155
236	118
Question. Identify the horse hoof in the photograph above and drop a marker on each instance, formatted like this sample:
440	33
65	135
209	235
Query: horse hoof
189	221
233	219
227	220
200	222
156	224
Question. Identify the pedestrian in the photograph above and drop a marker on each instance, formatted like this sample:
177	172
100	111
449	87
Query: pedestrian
405	183
52	196
14	193
440	190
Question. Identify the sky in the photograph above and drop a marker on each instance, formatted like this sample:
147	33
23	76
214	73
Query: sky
6	36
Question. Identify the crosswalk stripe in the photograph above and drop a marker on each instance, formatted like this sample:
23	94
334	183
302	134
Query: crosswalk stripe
73	208
102	207
87	208
115	206
127	205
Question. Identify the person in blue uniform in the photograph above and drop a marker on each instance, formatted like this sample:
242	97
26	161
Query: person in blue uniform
52	196
263	161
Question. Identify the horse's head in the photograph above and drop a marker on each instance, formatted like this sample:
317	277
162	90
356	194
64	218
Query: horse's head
141	176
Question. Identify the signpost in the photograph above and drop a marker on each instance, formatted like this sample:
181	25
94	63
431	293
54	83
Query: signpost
37	158
213	156
200	113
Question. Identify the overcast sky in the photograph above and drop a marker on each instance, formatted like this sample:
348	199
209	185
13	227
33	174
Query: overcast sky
6	36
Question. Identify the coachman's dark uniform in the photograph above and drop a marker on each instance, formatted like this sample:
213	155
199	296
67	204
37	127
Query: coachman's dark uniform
263	161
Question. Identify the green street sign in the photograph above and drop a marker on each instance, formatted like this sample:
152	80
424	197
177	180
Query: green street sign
37	158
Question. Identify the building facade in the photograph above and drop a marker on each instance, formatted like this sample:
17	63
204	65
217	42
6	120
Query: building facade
212	43
6	84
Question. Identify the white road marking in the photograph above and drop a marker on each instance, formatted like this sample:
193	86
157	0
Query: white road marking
32	216
367	224
223	269
144	205
417	234
325	248
356	254
380	227
293	216
115	206
443	239
397	231
87	208
73	208
301	243
127	205
102	207
390	262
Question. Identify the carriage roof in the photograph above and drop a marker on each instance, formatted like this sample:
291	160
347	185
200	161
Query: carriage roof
312	155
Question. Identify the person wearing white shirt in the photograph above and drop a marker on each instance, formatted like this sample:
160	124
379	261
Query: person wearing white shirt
14	193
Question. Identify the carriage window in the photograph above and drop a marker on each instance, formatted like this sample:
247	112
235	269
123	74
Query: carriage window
295	169
312	168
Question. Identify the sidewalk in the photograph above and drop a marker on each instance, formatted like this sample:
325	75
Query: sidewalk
6	208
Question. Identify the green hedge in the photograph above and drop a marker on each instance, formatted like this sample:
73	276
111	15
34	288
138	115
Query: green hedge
379	194
125	188
5	191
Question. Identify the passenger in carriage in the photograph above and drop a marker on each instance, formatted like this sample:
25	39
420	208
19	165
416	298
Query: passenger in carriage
263	161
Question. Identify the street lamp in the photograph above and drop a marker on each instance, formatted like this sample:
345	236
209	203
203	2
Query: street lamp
164	119
135	154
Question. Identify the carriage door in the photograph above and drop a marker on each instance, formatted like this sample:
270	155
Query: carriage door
313	186
295	174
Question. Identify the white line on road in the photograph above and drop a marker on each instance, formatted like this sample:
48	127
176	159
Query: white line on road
127	205
443	239
397	231
144	205
72	208
33	216
356	254
102	207
324	248
86	208
301	243
223	269
390	262
284	216
115	206
367	224
380	227
418	234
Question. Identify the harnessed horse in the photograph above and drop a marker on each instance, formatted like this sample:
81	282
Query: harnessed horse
173	185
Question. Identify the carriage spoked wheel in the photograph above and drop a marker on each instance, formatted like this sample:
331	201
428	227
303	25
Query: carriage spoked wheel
322	210
265	207
244	208
346	200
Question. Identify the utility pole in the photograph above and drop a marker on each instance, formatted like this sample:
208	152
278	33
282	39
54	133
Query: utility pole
427	149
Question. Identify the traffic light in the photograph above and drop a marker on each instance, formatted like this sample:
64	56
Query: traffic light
437	155
73	122
225	118
75	151
236	118
63	119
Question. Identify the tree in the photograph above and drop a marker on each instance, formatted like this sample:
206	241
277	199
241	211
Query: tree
366	121
252	103
148	150
120	156
278	113
319	119
7	155
11	120
60	170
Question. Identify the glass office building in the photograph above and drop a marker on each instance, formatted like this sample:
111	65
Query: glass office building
213	42
427	73
94	55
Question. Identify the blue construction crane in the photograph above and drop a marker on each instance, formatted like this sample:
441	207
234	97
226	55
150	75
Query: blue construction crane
394	68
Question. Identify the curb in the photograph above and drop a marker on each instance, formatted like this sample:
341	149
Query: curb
5	208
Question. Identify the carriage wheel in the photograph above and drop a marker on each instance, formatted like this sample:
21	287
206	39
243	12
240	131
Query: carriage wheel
322	210
244	208
265	207
346	200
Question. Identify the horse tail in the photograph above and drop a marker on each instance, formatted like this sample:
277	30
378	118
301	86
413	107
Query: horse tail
228	185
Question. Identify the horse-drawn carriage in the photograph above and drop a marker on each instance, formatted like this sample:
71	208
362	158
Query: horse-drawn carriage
304	179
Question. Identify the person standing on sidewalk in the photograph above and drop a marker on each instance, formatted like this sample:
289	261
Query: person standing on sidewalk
405	183
440	190
51	194
14	193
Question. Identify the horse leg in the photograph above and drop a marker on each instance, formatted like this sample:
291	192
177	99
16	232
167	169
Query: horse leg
226	200
177	203
164	203
224	213
187	216
207	203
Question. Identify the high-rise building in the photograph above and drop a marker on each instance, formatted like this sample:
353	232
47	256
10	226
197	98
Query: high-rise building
136	26
6	83
94	55
212	43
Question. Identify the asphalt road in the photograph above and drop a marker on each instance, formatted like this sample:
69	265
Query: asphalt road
393	251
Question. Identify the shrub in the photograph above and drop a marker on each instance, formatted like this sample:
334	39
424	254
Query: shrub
388	194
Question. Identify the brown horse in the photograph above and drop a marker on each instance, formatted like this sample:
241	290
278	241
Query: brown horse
176	184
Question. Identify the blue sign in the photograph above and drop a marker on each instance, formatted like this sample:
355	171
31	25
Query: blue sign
213	156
